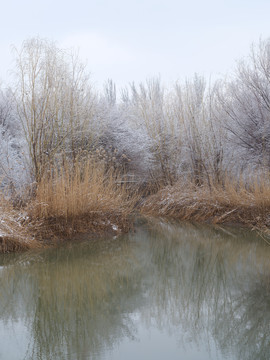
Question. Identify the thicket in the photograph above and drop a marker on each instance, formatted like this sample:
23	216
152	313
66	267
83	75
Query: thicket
192	136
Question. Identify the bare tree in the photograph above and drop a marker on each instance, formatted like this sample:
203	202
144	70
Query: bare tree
201	133
54	101
245	101
12	167
150	110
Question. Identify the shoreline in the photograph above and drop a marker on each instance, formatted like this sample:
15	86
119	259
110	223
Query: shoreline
211	205
46	233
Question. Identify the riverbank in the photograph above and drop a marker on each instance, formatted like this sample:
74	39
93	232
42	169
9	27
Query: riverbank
15	234
232	203
95	202
84	198
18	232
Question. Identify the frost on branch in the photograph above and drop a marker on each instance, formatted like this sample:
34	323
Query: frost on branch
245	102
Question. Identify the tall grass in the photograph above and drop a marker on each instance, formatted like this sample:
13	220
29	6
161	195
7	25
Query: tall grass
234	201
82	197
14	235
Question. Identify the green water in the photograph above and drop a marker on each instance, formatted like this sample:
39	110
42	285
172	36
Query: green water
164	291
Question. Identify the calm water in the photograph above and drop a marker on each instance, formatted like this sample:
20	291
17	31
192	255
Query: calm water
165	291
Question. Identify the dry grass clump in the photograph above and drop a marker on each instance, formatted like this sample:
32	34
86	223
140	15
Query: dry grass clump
233	202
14	235
81	197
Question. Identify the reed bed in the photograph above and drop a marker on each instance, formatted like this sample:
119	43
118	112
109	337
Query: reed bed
85	197
81	197
234	201
14	234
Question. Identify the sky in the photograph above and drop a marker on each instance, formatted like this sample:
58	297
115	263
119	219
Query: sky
135	40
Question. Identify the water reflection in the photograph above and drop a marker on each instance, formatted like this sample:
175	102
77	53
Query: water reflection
205	284
221	289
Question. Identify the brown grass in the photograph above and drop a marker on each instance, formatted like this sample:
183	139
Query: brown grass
81	198
84	198
233	202
14	235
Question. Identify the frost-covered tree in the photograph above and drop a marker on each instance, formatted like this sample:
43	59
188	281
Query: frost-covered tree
245	102
13	172
120	144
183	135
150	113
201	131
55	102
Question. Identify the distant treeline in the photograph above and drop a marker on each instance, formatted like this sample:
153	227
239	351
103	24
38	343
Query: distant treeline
195	131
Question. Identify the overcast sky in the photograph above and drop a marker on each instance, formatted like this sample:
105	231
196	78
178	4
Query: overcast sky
133	40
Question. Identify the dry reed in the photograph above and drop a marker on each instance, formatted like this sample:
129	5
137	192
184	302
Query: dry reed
233	202
14	234
82	197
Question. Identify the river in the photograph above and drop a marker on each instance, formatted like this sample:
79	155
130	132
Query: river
163	291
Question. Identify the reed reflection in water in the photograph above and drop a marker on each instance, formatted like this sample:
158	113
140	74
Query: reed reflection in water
205	289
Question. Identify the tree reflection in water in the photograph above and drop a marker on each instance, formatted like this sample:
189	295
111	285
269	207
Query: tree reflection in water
222	286
79	300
